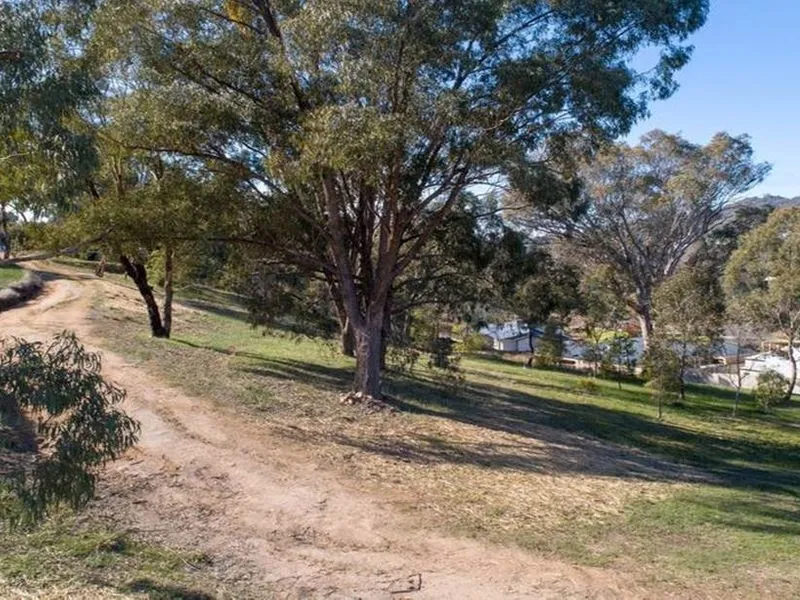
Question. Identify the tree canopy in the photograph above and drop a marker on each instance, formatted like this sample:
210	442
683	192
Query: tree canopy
355	127
641	210
761	279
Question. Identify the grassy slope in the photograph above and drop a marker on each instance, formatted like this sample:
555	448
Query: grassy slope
10	274
64	559
511	454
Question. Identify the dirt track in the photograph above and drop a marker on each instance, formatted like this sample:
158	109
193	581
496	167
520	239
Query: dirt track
266	514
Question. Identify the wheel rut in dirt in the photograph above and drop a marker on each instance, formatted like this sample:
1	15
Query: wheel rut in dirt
270	519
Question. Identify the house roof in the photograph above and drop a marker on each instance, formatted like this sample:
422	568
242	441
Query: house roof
508	331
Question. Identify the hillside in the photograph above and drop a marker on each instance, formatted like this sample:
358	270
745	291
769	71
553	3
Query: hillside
766	200
510	482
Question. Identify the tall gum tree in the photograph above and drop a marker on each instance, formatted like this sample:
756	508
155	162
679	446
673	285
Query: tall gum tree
641	211
356	125
762	280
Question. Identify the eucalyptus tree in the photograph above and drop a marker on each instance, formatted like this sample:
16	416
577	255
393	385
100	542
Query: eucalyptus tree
762	280
690	314
603	312
149	214
641	210
43	85
357	125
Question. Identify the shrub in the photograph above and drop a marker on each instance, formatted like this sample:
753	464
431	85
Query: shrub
402	358
588	386
771	388
663	370
442	355
551	347
472	341
80	428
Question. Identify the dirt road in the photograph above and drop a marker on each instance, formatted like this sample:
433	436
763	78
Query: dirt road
266	515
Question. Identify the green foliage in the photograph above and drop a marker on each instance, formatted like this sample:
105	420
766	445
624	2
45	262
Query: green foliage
663	371
771	388
402	358
352	131
470	340
720	243
551	346
442	354
603	311
762	278
690	315
546	288
45	157
588	386
81	427
642	208
620	354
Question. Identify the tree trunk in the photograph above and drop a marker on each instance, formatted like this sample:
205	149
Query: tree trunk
386	335
138	273
369	342
6	237
169	275
681	372
793	379
738	377
348	338
645	325
532	348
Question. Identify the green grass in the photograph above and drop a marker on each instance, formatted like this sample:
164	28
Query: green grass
753	449
522	456
92	561
10	274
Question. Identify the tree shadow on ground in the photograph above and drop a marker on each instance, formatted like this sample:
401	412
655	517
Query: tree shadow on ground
574	432
332	378
238	314
161	591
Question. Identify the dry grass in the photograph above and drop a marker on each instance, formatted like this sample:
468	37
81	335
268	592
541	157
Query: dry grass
513	456
64	592
451	474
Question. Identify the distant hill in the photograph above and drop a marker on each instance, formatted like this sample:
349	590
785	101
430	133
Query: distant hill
766	200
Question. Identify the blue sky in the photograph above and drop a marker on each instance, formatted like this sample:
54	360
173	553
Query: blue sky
744	77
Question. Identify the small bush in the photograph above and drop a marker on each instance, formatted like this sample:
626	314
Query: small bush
402	358
662	368
442	355
771	389
472	341
79	425
551	347
588	386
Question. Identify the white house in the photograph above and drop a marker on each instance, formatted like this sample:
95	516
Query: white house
771	361
510	337
514	336
751	368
